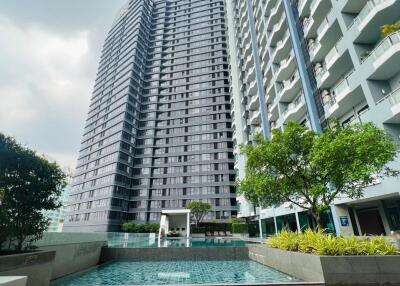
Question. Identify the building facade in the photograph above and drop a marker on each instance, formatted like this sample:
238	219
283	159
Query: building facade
158	133
309	61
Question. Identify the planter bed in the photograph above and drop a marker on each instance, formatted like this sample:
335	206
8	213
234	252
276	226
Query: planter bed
329	269
37	266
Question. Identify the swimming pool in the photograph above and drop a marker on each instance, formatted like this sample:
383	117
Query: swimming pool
177	273
183	242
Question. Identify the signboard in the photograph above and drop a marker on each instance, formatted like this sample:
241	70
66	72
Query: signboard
344	221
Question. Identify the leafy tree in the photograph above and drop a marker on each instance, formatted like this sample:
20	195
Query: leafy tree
29	184
311	170
198	210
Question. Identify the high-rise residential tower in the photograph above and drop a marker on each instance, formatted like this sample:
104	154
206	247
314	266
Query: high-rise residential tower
158	133
309	61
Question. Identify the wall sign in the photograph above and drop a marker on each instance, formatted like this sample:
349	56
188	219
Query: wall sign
344	221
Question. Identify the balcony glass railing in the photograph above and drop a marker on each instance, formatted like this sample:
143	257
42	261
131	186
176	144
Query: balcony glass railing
294	104
369	6
394	97
331	55
384	45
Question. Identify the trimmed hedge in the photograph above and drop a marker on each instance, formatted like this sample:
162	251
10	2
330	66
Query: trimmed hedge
140	228
198	229
240	228
321	243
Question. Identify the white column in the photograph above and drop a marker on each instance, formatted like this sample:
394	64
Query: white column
188	225
297	221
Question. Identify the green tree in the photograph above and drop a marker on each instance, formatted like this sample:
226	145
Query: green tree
29	184
198	210
311	170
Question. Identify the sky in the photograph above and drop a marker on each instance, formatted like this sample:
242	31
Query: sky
49	52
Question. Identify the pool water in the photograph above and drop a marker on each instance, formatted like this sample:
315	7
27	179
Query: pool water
176	273
193	242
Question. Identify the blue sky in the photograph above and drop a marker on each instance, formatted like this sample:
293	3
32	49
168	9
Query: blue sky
49	51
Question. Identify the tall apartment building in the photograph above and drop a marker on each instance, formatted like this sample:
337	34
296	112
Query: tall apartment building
309	61
158	133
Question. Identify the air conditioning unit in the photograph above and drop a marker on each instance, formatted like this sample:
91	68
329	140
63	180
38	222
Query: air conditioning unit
326	96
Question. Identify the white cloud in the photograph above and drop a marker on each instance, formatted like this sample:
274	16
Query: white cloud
45	85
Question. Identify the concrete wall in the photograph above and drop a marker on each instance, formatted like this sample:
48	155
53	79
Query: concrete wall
13	280
74	251
36	266
74	257
330	269
304	266
175	253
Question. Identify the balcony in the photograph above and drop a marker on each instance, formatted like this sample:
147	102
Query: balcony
339	96
275	15
319	8
336	64
255	118
254	103
247	37
273	112
245	28
242	7
270	5
265	55
278	31
286	67
295	110
249	62
310	25
385	58
252	90
282	48
394	100
374	14
291	88
251	75
247	49
303	7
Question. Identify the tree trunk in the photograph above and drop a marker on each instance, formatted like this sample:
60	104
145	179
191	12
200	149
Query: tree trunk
317	220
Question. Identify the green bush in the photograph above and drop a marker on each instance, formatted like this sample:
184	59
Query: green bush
321	243
140	228
215	226
198	229
239	228
389	29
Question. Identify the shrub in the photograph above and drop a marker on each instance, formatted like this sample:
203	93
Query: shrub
216	226
239	228
198	229
389	29
321	243
140	228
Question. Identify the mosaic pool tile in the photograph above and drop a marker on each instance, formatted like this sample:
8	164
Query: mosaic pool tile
176	273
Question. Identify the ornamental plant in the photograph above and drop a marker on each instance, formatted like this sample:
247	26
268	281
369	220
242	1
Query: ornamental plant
198	210
320	243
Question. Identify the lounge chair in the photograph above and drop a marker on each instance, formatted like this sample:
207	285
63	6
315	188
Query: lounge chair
208	233
221	233
228	233
215	233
